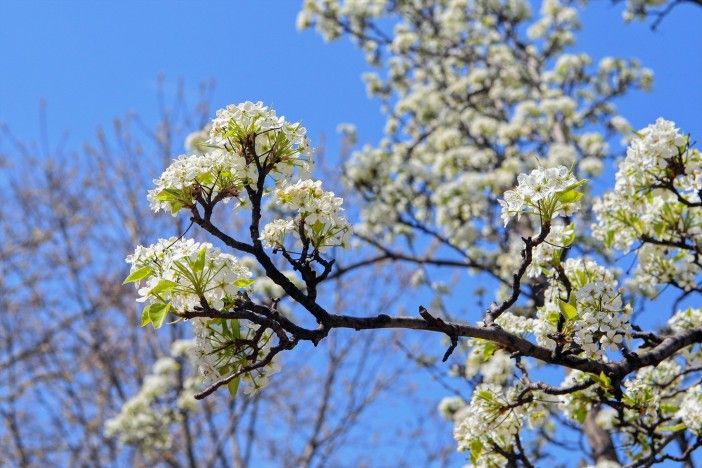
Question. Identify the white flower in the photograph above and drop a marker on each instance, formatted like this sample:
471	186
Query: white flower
487	420
691	410
548	252
181	272
275	141
546	192
145	419
273	234
212	174
319	217
658	170
450	406
222	348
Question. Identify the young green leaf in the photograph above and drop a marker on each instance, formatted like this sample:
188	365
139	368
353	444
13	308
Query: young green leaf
138	275
233	386
157	313
145	319
675	428
476	449
568	310
244	282
199	264
163	286
570	196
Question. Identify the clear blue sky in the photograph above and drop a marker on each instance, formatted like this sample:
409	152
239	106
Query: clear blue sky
93	61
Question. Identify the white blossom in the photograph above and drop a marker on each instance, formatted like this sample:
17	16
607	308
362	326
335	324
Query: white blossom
544	192
319	218
179	273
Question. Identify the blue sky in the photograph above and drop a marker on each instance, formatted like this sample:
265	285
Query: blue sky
93	61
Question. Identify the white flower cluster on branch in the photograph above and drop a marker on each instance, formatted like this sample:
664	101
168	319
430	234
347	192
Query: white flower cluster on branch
245	153
657	200
180	274
545	192
319	219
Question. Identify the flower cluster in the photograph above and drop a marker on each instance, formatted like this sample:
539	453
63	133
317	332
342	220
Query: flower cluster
657	190
489	419
465	113
494	365
145	420
255	133
602	321
662	265
685	320
593	319
652	386
577	404
241	142
450	407
691	410
213	175
548	253
544	192
658	166
178	274
319	220
224	347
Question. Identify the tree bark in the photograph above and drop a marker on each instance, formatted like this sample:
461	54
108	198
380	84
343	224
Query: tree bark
599	439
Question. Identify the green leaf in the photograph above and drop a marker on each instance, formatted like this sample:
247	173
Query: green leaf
163	286
552	318
609	239
176	206
476	449
570	196
659	228
139	275
157	313
230	329
637	224
675	428
568	310
574	186
199	264
317	227
233	386
604	380
169	195
669	408
580	414
145	319
486	395
489	349
244	282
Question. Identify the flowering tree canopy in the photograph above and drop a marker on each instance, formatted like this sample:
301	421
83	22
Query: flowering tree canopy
493	134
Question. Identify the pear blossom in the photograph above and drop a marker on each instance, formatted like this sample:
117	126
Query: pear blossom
319	217
180	273
274	140
691	410
544	192
213	174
